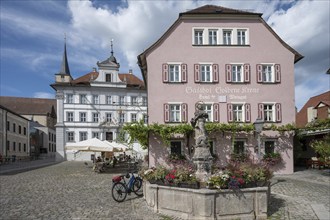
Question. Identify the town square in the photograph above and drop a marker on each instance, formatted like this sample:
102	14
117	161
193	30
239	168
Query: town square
195	110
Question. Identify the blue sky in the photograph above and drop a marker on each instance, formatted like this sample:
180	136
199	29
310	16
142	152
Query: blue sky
32	37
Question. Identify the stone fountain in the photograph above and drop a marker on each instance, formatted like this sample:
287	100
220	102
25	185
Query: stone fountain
202	157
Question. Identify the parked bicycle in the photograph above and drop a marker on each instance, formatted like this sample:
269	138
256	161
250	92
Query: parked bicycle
121	188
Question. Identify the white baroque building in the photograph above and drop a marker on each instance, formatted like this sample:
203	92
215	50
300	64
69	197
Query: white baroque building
96	104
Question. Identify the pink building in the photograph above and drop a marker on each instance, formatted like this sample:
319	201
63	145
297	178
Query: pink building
235	64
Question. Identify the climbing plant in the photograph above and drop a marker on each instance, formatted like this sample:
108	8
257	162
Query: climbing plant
138	131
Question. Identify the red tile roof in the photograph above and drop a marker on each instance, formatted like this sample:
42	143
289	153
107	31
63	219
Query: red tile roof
86	79
301	117
130	79
29	106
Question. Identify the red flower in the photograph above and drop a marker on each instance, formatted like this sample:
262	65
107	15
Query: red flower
241	181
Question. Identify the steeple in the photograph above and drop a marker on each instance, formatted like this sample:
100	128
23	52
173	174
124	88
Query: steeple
65	66
112	58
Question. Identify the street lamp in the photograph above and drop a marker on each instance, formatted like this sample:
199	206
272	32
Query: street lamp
258	124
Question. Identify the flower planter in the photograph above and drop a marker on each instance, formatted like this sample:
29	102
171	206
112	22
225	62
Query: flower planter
206	204
195	185
189	185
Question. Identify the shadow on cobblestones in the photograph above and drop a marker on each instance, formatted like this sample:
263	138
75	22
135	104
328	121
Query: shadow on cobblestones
275	205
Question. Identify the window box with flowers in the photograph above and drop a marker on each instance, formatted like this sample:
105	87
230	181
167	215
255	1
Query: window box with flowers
272	159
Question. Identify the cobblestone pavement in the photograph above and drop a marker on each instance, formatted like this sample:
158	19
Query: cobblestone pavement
68	190
71	190
302	195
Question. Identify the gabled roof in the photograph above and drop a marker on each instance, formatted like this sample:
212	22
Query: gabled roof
213	9
209	11
128	78
301	117
29	106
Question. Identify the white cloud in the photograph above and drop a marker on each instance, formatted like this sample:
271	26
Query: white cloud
136	25
44	95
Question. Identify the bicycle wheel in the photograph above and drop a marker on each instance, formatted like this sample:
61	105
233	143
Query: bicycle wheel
137	187
119	192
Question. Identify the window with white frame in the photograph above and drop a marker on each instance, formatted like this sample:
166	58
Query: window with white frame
227	37
108	117
267	73
176	147
206	73
174	73
70	136
96	99
82	136
175	112
83	99
122	117
238	112
239	146
241	37
237	73
207	108
133	117
82	116
109	100
96	117
69	116
95	134
69	98
213	37
269	112
198	36
134	100
121	100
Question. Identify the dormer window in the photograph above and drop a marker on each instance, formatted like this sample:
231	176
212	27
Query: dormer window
108	77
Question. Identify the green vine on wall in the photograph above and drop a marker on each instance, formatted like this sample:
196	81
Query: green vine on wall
138	131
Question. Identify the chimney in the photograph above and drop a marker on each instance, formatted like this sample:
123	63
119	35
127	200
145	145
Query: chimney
94	69
130	71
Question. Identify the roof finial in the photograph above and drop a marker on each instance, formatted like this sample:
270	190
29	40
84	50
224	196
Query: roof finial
111	47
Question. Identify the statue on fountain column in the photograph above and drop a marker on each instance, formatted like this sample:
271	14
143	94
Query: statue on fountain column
202	157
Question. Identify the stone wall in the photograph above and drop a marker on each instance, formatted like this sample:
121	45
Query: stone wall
207	204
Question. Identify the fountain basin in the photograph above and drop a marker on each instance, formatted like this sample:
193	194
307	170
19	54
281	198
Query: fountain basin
207	204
